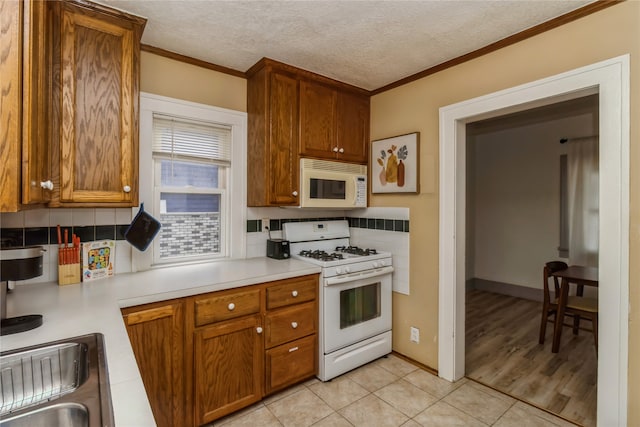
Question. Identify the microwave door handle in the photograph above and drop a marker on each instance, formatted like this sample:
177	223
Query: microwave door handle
358	276
355	192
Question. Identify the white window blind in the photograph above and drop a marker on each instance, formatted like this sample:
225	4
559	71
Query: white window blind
187	139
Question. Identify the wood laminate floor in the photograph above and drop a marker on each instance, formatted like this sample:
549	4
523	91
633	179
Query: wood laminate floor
502	351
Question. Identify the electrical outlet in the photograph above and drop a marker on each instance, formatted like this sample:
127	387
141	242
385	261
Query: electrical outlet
265	225
415	335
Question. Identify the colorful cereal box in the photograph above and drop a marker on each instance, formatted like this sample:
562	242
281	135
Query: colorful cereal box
98	259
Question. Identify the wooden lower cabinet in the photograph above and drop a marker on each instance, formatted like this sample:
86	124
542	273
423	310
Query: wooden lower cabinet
290	363
228	367
156	332
205	356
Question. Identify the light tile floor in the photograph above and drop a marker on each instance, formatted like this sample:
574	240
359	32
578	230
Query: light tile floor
390	392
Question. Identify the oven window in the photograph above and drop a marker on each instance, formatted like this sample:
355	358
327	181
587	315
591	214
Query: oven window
359	305
327	189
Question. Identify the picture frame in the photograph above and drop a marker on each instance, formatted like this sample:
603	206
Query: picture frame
395	164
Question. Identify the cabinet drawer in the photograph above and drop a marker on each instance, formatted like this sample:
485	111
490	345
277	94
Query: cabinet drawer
292	292
290	363
216	308
290	324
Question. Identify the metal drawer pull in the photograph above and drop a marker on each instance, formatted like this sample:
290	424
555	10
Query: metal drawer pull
294	294
231	306
259	330
294	325
291	350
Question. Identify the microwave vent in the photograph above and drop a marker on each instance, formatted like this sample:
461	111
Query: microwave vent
325	165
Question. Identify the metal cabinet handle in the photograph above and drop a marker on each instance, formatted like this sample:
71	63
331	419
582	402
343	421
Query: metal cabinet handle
294	294
341	150
47	185
294	325
231	306
292	349
126	189
259	330
335	149
295	193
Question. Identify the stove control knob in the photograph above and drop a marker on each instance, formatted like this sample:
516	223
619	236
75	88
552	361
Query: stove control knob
338	270
347	270
376	264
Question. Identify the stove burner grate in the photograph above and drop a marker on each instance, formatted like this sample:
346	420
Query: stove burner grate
321	255
355	250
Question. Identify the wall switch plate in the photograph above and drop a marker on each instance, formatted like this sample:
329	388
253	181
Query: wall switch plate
415	335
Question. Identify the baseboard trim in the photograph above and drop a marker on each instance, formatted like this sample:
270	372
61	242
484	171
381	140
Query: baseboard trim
524	292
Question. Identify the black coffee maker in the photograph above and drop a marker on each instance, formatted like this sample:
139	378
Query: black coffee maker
18	263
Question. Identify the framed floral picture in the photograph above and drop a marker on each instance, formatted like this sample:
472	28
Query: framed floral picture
394	164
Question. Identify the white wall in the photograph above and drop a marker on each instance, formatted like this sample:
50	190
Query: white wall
515	195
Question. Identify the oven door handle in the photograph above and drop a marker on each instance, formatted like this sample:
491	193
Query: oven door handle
358	276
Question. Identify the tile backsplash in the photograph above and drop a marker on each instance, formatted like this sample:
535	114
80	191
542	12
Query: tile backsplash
381	228
39	227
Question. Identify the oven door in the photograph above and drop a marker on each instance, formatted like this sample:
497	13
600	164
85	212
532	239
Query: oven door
356	307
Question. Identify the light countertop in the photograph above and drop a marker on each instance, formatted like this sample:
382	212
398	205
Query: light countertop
90	307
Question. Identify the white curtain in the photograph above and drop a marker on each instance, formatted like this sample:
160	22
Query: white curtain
583	201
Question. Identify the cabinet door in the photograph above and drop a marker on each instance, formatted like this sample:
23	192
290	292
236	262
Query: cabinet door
291	363
353	127
98	130
283	140
317	120
10	99
156	333
228	367
37	182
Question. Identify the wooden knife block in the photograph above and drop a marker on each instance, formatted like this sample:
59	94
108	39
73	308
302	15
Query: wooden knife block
68	274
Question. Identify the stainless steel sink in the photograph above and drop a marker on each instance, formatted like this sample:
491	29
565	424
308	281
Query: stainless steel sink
62	383
60	415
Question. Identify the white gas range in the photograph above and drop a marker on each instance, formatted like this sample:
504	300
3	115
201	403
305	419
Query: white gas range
355	295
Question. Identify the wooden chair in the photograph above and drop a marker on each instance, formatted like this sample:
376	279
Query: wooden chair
577	306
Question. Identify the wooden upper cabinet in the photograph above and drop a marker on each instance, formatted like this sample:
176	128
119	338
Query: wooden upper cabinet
294	113
10	110
318	114
272	146
96	73
283	143
37	184
334	123
353	127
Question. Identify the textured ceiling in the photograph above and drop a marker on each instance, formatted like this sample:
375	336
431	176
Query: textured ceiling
365	43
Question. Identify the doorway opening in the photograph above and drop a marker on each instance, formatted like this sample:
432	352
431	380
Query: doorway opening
515	223
610	80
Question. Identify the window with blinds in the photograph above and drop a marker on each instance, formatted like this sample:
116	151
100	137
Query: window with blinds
191	164
177	137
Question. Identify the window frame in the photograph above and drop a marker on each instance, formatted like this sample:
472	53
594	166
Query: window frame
224	213
233	237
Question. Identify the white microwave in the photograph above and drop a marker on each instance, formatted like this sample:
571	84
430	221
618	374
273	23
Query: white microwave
332	185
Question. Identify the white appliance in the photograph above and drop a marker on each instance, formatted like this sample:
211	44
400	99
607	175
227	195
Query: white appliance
355	295
329	184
